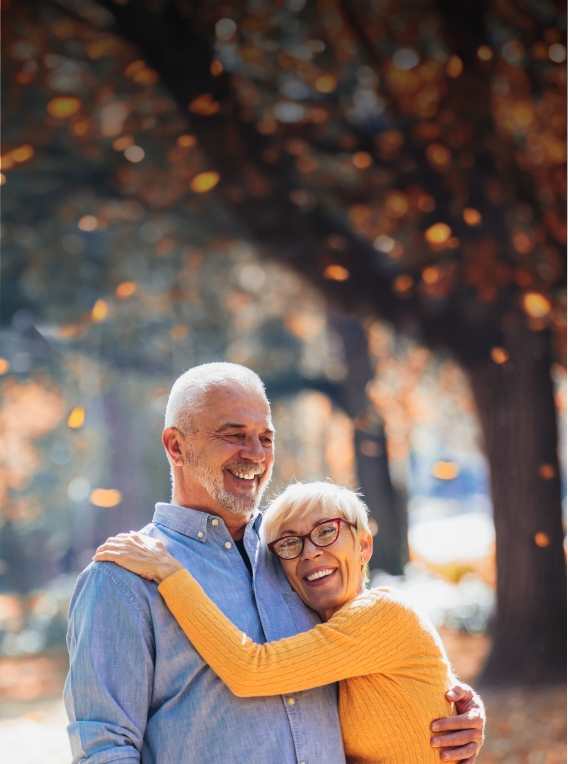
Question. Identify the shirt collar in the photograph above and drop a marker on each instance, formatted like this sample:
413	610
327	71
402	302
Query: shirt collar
191	522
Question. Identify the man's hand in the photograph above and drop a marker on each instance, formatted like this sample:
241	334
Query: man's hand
463	734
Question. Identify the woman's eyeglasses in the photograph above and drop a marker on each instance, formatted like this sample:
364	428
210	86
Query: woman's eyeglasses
323	534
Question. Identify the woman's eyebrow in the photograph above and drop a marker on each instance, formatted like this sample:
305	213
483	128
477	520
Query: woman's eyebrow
295	533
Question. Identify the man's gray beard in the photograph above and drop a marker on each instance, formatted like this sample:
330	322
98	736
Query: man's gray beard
212	481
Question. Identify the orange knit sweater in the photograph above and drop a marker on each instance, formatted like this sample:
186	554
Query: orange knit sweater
390	663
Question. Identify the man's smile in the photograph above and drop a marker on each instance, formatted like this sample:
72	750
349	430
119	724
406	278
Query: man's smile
245	477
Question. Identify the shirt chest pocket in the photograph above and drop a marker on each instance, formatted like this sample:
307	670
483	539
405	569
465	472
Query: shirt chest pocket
304	618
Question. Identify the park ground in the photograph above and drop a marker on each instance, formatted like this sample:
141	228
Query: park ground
525	726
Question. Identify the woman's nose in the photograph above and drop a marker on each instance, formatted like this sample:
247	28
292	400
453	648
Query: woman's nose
310	550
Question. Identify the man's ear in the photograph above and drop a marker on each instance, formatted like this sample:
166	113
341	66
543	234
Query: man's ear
172	440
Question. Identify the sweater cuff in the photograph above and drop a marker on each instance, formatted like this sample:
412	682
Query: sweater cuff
174	584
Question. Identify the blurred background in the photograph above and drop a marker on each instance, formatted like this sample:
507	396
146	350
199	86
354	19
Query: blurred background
363	201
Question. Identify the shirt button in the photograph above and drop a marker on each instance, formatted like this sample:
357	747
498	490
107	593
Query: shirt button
214	522
291	701
200	534
228	545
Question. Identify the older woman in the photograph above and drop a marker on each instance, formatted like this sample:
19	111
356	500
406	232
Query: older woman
389	660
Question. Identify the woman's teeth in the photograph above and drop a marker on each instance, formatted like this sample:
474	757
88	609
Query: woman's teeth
319	574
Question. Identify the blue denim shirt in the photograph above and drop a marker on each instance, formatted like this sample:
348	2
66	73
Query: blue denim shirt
137	691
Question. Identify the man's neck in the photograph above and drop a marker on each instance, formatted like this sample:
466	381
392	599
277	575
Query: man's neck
234	523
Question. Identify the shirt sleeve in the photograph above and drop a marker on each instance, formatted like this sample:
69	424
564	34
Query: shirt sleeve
108	688
369	635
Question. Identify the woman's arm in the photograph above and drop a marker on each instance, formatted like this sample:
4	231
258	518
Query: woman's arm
364	637
369	635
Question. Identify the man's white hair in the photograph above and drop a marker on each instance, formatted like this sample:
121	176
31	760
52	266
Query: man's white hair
188	393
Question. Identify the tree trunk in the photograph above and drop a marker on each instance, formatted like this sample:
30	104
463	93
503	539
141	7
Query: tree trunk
387	506
518	417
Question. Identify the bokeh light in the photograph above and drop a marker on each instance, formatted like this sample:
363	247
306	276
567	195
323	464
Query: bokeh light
105	497
204	182
76	418
336	273
63	107
99	311
472	216
499	355
536	305
445	470
485	53
88	223
437	234
326	83
126	289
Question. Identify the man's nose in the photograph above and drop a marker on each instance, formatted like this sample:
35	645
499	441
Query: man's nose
252	449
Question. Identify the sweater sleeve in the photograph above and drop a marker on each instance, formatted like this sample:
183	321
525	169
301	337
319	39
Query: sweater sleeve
369	635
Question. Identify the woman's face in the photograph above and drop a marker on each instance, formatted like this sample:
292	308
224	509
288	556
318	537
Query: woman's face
326	578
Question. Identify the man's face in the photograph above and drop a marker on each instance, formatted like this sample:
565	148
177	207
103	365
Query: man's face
232	452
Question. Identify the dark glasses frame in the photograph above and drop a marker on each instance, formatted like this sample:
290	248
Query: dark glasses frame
335	520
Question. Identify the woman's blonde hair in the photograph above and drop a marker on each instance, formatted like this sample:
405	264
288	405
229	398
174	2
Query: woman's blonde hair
299	499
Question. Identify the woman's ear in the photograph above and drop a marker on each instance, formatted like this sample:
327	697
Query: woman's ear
366	547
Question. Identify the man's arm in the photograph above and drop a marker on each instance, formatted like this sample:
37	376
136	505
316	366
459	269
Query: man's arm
109	685
464	733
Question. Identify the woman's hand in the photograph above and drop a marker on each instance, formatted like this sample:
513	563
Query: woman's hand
143	555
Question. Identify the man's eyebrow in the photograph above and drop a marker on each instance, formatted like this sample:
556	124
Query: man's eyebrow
237	426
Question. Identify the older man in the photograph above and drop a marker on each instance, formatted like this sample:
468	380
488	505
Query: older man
137	691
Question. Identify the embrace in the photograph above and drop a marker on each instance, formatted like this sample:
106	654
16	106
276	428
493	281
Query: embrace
217	634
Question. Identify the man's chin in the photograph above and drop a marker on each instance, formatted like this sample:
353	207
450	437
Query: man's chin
239	504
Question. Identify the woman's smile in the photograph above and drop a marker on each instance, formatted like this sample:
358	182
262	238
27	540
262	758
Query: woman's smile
320	576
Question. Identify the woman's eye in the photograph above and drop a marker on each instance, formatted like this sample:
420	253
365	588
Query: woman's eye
289	544
324	533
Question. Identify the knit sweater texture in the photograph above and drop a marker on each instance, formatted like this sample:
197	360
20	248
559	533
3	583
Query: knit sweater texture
389	661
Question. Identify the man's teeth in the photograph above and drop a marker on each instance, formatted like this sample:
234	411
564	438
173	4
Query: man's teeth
319	574
243	475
